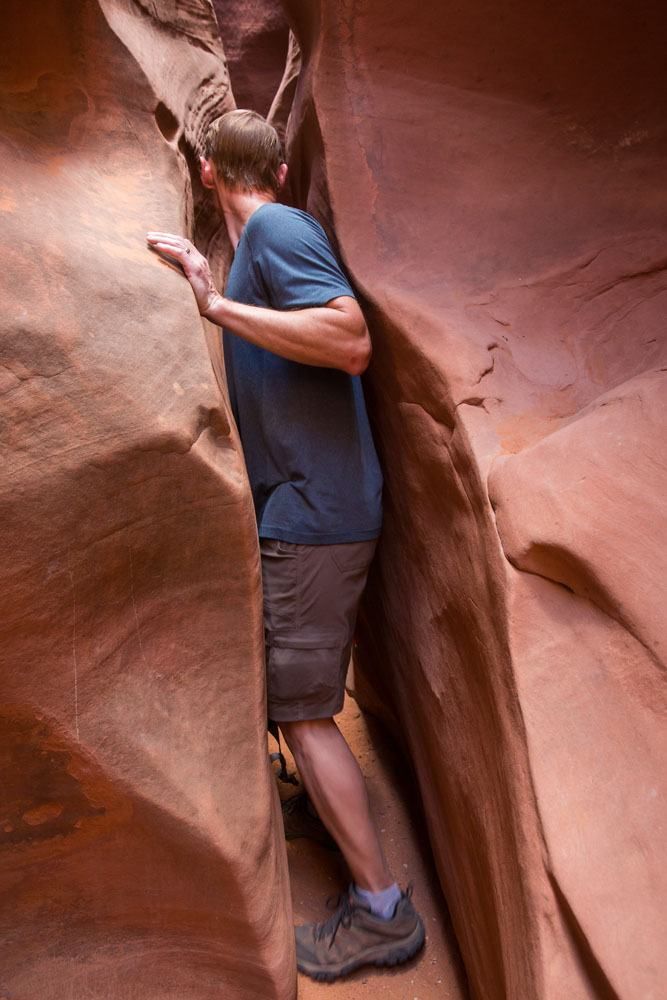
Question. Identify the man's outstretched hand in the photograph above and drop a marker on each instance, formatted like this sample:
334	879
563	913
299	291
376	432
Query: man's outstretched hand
333	335
194	264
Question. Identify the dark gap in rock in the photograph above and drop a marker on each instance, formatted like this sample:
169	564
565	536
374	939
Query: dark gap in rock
166	122
255	39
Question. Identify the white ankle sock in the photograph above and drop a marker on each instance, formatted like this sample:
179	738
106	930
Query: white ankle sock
382	903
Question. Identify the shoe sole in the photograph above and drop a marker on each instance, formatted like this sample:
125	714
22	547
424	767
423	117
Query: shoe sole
379	956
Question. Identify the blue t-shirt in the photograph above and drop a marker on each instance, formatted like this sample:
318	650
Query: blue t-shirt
312	465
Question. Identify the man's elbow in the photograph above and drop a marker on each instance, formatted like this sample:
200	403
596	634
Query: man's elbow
357	350
359	356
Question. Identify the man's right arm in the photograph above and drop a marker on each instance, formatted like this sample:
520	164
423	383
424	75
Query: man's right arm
334	335
331	335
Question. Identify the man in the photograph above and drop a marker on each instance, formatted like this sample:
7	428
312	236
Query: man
295	344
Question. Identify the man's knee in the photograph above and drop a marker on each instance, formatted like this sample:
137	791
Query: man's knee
302	736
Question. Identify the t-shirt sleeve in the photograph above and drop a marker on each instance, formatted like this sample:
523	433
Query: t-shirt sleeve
296	264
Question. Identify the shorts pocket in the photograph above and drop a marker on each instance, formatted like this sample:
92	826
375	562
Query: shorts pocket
305	678
285	548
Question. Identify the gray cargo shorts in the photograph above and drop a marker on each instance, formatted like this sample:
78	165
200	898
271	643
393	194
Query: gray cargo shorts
311	597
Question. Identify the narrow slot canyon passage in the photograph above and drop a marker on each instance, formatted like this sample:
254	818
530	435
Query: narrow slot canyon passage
255	40
317	873
263	66
493	188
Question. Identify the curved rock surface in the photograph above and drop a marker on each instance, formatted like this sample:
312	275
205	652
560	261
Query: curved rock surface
496	184
132	687
255	36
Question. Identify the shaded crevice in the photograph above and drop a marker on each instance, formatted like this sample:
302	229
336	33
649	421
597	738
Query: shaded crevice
474	401
490	366
598	982
166	121
256	43
622	279
603	605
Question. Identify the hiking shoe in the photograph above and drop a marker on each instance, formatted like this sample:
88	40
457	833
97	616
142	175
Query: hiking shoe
299	821
353	937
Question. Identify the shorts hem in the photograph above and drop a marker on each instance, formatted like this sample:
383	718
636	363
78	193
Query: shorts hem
304	714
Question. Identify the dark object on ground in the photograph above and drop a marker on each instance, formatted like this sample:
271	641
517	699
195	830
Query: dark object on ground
301	820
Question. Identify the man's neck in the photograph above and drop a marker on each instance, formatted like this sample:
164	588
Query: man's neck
237	208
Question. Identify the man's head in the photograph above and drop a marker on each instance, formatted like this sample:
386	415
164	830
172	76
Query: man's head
243	153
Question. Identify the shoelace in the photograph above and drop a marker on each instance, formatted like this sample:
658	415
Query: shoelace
344	908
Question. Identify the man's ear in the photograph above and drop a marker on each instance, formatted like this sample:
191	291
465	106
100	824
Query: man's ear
282	175
207	176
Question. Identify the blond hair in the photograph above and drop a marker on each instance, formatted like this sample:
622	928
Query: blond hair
246	151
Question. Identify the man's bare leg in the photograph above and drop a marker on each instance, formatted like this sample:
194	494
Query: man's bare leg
336	786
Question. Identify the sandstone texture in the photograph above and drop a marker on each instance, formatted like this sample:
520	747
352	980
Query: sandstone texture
496	182
281	106
131	688
255	38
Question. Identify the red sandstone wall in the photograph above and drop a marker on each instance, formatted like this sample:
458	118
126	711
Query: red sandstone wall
131	689
496	182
